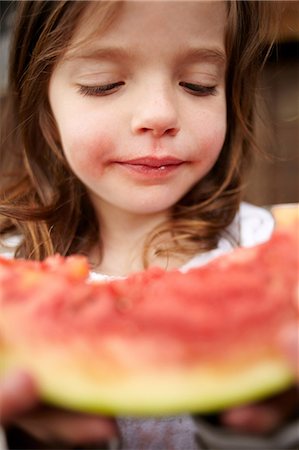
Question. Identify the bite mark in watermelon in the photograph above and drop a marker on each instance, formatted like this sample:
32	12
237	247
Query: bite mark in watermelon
157	342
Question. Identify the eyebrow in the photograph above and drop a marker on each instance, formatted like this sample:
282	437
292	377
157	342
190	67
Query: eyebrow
213	54
108	53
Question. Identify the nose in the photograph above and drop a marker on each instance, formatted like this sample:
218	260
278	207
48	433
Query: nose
156	113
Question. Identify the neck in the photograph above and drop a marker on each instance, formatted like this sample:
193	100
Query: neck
123	236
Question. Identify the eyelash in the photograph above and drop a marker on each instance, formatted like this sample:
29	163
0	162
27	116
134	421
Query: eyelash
198	89
100	91
107	89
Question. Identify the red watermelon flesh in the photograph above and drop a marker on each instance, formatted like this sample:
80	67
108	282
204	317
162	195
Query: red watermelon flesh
157	342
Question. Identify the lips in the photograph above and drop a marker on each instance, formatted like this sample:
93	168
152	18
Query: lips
150	168
154	162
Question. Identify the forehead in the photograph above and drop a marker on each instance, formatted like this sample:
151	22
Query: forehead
141	24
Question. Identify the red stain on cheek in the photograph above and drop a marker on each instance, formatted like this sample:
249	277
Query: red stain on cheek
90	155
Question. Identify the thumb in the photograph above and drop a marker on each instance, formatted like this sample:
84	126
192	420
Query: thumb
18	394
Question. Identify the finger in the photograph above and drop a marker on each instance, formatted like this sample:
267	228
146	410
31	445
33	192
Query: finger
262	417
252	419
64	427
18	393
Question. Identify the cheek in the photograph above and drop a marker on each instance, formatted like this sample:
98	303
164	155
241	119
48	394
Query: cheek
211	137
88	150
217	140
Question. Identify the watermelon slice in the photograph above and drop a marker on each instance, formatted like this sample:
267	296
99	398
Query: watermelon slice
157	342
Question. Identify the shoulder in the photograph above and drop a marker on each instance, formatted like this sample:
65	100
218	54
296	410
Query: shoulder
252	225
8	245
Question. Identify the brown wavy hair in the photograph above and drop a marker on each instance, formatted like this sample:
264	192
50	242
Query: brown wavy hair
40	197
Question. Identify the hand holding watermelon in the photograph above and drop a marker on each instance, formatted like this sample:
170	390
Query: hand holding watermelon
19	402
18	394
262	417
44	425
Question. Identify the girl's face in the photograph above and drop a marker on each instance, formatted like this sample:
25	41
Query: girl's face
141	109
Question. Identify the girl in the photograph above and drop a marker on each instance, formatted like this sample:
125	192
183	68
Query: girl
128	129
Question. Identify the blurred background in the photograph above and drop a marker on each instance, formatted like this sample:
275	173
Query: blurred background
274	177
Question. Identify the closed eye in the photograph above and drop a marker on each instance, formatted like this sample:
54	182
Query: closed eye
100	91
198	89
